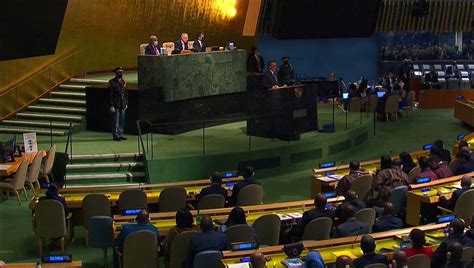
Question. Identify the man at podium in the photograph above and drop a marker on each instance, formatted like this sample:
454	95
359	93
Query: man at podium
270	78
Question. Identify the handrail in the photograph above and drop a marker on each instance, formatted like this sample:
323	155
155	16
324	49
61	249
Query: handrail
140	139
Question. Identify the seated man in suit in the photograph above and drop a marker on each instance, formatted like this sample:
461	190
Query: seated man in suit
181	44
248	174
452	70
388	221
345	183
455	234
350	198
367	244
198	45
153	48
467	163
440	168
319	211
215	188
270	79
209	239
351	225
466	182
443	154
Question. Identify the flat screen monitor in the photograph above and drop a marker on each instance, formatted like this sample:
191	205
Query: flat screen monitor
427	146
446	218
381	94
128	212
327	165
330	194
423	180
7	151
345	95
243	246
56	258
460	136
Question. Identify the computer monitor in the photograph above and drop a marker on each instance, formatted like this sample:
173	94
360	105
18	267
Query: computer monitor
427	146
423	180
345	95
380	94
7	151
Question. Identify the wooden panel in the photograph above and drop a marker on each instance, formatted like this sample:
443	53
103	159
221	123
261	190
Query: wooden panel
252	18
430	99
464	111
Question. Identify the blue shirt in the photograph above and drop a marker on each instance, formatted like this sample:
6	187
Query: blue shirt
128	229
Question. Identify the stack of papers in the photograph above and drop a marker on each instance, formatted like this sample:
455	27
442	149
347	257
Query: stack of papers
295	215
284	217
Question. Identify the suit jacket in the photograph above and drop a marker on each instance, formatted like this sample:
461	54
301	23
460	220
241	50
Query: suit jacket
255	64
356	203
118	93
215	188
150	50
451	203
345	183
128	229
351	227
370	258
178	47
238	187
199	47
444	155
465	168
205	241
308	216
439	256
387	223
269	80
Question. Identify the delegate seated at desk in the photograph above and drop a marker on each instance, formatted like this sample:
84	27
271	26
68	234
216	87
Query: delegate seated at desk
181	44
152	48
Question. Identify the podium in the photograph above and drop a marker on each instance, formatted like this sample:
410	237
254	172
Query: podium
282	113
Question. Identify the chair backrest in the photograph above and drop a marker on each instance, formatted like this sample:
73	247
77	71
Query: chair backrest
267	228
413	174
426	67
240	233
464	207
373	101
398	198
142	48
366	215
411	98
437	66
361	186
169	47
317	229
172	199
467	254
419	260
49	160
460	66
140	250
208	259
20	175
455	164
50	221
132	199
211	201
355	104
94	205
34	169
179	249
101	232
441	74
250	195
376	265
391	104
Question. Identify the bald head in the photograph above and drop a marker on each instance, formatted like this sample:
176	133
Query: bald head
184	37
206	223
257	260
350	195
143	217
466	181
454	252
343	262
388	208
400	259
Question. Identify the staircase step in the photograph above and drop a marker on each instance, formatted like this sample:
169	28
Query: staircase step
114	175
60	109
44	116
86	80
62	101
68	94
38	131
75	87
116	156
28	123
127	165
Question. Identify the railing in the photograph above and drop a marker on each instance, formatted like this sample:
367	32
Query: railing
40	83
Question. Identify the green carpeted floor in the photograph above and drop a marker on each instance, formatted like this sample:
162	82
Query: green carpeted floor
18	241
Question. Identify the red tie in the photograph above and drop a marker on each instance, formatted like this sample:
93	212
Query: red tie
156	50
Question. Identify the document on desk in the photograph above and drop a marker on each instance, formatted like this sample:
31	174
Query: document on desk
284	217
295	215
331	178
239	265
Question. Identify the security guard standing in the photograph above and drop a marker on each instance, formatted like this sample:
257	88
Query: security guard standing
118	103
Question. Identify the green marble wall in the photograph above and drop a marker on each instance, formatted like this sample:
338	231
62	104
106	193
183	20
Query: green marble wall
195	75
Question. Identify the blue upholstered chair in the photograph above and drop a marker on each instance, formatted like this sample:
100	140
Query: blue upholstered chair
101	234
208	259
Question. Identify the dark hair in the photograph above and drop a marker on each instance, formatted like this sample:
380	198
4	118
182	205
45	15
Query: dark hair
350	195
417	238
385	162
457	225
462	143
354	165
184	218
439	144
423	162
143	217
397	162
236	216
206	223
367	244
247	172
406	158
455	249
200	33
320	201
216	177
465	155
254	49
271	61
435	151
433	158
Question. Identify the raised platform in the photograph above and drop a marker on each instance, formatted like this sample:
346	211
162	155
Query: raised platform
444	98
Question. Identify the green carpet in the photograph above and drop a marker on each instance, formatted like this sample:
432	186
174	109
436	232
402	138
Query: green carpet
18	241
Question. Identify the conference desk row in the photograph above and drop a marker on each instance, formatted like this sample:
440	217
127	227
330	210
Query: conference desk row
464	111
73	264
8	169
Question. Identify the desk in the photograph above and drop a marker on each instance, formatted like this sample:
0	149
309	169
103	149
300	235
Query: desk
469	138
435	99
7	169
73	264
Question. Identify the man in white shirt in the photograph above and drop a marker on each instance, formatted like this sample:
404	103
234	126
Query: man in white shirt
199	45
181	44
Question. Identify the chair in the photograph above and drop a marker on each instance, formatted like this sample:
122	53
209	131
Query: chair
94	205
250	195
465	81
317	229
413	174
467	254
438	67
101	234
361	186
140	249
398	198
419	260
208	259
366	215
33	172
211	201
410	102
169	47
464	207
172	199
372	105
47	166
179	249
376	265
17	183
355	104
391	106
50	222
132	199
240	233
142	48
455	164
268	228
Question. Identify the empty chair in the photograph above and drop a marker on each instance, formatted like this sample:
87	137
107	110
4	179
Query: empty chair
179	249
211	201
172	199
398	198
94	205
208	259
410	102
140	250
438	67
442	79
391	106
47	167
460	67
169	46
419	260
267	228
467	254
317	229
361	186
355	104
240	233
50	223
426	67
376	265
465	81
416	67
17	183
464	206
366	215
470	67
33	172
142	48
250	195
413	174
101	234
132	199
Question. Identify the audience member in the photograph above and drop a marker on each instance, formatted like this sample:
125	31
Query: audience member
343	262
367	244
286	71
466	182
248	174
443	154
452	70
236	216
345	183
455	234
53	194
255	61
425	169
417	238
184	222
462	146
468	240
257	260
407	162
181	44
467	164
350	198
440	168
351	225
152	48
388	221
207	240
388	178
198	45
313	260
400	260
453	255
214	188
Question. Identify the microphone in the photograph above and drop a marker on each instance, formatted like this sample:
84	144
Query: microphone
357	235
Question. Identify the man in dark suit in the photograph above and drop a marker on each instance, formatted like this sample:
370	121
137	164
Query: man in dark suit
215	188
351	226
466	182
350	198
255	61
452	71
207	240
388	221
270	79
367	244
443	154
455	234
467	163
152	48
118	103
198	45
248	174
181	44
